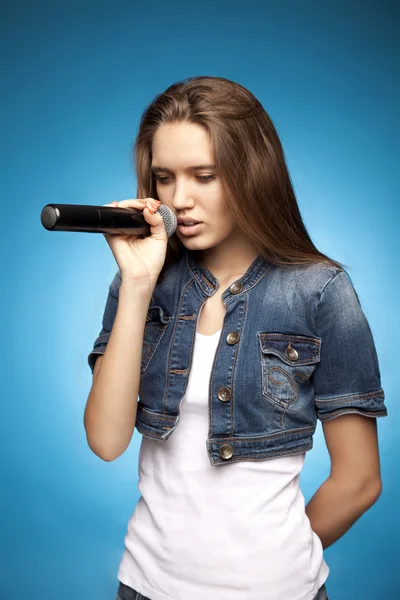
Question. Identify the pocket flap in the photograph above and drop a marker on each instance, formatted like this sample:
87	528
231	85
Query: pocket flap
156	313
291	349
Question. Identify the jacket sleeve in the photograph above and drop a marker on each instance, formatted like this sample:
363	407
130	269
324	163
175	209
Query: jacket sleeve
109	313
347	378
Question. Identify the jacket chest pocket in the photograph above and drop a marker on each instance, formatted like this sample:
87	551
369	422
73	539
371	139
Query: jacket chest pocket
287	361
156	324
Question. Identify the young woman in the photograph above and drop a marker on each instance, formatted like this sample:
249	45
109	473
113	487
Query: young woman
236	334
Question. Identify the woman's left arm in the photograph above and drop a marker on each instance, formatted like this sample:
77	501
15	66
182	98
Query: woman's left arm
354	483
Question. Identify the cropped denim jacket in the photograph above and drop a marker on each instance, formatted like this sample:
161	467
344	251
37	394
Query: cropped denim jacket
295	346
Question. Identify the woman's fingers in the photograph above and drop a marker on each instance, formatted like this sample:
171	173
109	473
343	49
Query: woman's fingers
150	203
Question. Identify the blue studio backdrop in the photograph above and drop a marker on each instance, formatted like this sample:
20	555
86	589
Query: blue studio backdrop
76	78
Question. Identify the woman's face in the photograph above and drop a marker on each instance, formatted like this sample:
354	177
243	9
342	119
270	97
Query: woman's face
189	191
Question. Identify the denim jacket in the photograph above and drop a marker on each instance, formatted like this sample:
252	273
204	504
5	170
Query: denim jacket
295	346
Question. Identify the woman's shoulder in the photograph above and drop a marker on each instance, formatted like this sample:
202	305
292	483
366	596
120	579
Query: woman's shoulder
313	276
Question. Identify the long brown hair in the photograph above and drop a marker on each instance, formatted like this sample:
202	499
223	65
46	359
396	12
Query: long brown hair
249	160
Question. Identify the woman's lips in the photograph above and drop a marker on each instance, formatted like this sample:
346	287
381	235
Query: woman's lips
189	229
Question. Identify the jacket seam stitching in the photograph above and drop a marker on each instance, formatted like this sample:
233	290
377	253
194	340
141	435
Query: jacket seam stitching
337	273
367	413
364	396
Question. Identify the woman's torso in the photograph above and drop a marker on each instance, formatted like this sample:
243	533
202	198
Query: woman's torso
233	532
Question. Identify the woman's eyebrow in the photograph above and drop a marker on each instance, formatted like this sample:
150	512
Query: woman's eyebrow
156	169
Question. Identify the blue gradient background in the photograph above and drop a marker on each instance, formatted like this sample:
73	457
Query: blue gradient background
76	77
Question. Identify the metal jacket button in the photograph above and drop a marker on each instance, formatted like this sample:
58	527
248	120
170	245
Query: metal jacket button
236	287
291	353
224	394
226	451
232	337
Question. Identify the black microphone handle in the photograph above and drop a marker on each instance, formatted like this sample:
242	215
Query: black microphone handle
101	219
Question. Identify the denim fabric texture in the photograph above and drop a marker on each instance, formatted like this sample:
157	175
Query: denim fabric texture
127	593
295	347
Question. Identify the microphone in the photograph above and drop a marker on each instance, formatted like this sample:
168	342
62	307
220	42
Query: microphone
102	219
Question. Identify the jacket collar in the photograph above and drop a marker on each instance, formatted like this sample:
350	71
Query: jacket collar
209	283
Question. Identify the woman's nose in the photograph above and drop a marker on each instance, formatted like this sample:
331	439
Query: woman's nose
181	198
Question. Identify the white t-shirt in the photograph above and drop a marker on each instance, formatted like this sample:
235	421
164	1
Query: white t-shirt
237	531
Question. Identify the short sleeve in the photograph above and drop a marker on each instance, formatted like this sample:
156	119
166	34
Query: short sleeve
347	378
110	311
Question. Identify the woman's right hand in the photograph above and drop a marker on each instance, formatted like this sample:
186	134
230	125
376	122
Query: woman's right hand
140	259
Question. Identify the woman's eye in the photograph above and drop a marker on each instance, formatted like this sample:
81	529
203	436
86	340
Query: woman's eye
202	178
206	178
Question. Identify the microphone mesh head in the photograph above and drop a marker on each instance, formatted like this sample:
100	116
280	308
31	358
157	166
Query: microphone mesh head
169	218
